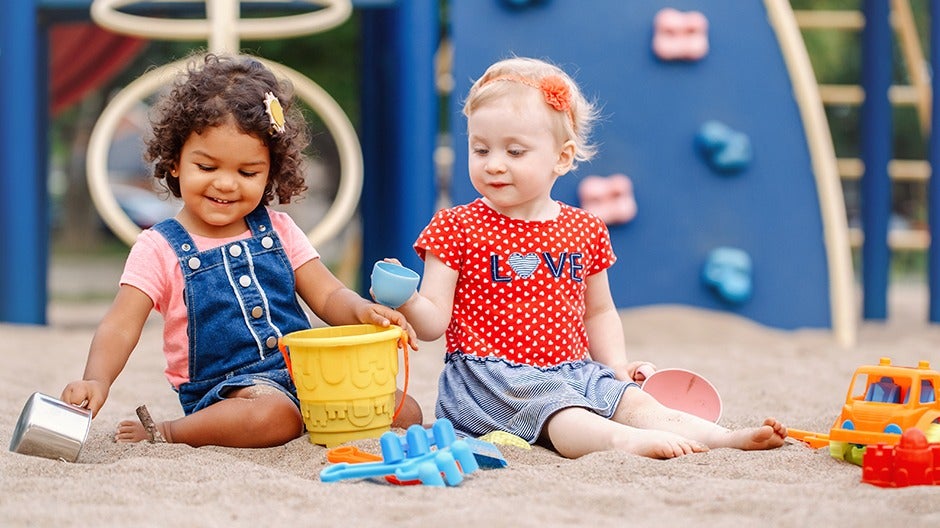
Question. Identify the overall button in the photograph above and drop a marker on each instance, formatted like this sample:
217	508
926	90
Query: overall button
186	247
267	242
194	263
245	281
271	342
235	250
257	312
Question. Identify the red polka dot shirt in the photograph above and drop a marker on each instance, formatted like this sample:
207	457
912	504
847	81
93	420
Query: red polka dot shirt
520	292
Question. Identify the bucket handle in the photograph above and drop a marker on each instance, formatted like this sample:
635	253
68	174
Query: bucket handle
402	344
283	348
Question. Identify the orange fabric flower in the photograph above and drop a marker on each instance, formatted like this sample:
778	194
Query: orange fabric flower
556	92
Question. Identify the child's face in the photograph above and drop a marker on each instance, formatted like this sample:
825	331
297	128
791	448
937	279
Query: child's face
223	173
514	155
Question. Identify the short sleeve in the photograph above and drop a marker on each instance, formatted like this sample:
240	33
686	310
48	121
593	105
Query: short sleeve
443	238
604	257
296	244
149	266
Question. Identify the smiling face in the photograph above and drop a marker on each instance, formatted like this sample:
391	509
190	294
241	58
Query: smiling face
222	173
515	155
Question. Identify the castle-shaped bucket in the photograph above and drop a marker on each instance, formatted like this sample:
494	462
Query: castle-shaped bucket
345	378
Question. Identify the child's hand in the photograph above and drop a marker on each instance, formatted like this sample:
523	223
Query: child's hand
381	315
640	370
90	394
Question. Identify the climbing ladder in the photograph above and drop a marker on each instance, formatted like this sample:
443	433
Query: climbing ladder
916	94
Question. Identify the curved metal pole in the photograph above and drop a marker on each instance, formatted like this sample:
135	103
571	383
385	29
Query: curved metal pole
876	126
828	186
223	18
105	13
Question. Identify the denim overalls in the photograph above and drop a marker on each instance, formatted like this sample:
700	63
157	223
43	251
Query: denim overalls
240	299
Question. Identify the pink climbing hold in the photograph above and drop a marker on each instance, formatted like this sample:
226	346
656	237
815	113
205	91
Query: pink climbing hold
608	198
680	35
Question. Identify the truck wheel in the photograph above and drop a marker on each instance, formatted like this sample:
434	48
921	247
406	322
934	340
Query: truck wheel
851	453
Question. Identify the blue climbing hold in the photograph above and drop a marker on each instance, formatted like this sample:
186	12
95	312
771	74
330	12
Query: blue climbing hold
724	149
727	272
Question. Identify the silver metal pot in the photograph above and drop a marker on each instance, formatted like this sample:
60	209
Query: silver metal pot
51	428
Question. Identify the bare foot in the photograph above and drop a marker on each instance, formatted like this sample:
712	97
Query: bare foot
129	431
770	435
659	444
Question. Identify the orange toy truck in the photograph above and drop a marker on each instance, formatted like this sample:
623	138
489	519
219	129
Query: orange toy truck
883	401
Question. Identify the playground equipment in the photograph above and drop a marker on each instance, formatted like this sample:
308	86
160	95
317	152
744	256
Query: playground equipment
223	29
719	155
399	39
883	402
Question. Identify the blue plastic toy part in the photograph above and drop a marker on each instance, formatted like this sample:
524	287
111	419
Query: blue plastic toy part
884	391
727	272
724	149
893	429
411	458
442	432
487	455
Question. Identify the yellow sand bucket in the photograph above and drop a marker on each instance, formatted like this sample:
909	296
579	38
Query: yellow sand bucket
345	378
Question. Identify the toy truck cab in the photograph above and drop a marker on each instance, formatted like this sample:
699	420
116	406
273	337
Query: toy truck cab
883	401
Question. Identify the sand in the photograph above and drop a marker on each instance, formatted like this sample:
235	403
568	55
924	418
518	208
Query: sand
799	377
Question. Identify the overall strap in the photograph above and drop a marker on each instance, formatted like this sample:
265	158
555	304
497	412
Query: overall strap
259	222
178	238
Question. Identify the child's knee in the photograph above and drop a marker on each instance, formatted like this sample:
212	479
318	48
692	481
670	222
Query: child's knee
634	401
277	418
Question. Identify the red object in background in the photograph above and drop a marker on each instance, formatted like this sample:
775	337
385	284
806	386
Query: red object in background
912	462
82	57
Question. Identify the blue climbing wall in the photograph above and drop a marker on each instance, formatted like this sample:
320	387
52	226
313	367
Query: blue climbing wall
653	111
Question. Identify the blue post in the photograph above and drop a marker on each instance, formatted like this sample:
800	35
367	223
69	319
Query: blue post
399	129
933	155
23	220
876	126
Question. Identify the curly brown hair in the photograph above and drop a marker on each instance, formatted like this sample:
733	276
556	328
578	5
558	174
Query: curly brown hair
214	87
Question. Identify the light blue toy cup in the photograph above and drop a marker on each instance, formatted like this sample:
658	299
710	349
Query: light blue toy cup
392	284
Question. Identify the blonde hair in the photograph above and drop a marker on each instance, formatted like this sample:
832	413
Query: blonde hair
573	123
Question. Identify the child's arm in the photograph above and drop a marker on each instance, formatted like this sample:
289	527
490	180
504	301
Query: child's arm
336	304
605	329
114	340
429	309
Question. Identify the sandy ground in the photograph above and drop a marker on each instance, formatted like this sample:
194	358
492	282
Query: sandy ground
799	377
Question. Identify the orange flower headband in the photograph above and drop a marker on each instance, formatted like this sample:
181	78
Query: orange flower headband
554	89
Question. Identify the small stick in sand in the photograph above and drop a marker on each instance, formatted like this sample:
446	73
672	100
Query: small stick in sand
155	436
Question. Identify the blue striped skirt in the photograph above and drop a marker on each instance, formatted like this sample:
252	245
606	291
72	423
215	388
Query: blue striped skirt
483	394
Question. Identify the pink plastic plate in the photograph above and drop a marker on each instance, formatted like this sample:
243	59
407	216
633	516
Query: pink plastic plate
685	391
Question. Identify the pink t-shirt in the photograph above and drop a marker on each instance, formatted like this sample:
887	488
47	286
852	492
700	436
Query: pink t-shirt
153	268
520	291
